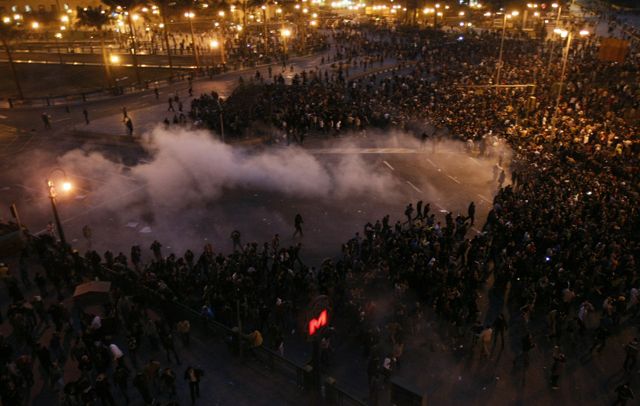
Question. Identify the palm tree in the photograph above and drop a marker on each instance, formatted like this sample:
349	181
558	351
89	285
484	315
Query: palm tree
129	6
96	17
7	34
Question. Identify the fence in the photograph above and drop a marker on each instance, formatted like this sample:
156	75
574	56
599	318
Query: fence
301	374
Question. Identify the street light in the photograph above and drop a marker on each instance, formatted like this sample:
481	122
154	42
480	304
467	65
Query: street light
66	186
35	25
58	36
286	33
569	36
504	28
190	15
114	59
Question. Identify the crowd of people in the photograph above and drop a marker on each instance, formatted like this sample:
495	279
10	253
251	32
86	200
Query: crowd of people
559	244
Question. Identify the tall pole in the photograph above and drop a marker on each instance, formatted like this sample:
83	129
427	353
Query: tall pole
133	49
504	27
553	43
193	41
12	65
52	197
565	56
264	25
163	11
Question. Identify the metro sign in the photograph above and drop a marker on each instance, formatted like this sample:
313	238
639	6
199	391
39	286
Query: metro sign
317	323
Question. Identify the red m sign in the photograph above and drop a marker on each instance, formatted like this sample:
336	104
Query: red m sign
316	324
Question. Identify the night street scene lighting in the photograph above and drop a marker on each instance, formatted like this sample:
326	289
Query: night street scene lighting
317	202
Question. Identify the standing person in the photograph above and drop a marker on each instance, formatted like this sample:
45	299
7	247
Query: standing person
169	346
556	367
471	212
527	345
168	379
600	339
140	382
171	108
103	390
121	379
409	213
499	327
156	92
129	124
235	237
501	178
46	120
85	113
298	225
624	393
125	115
631	357
486	336
193	376
184	329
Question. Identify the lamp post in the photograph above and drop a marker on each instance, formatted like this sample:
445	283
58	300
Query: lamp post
286	33
218	44
190	16
556	28
58	36
66	186
565	56
504	28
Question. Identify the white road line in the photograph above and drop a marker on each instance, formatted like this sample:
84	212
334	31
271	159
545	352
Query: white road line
475	161
62	119
485	199
476	230
3	117
389	165
453	179
414	187
431	162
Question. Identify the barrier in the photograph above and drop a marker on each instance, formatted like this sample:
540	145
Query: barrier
175	311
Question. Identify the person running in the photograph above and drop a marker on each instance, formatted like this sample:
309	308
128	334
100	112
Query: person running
298	225
46	120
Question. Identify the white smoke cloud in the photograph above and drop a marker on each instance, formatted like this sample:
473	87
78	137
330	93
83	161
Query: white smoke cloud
188	167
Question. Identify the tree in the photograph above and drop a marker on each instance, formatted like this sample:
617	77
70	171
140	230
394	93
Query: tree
7	34
96	17
128	6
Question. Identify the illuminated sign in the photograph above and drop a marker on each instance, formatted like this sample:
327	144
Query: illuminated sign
316	324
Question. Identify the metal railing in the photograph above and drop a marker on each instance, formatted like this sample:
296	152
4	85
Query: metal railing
301	374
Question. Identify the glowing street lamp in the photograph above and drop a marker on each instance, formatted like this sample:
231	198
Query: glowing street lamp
504	28
66	187
35	25
190	15
569	36
286	33
114	59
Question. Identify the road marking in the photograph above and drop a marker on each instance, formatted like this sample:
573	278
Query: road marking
485	199
414	187
62	119
454	179
475	161
3	117
431	162
389	165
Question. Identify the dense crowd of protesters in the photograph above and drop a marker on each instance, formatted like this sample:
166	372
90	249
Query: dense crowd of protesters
559	244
